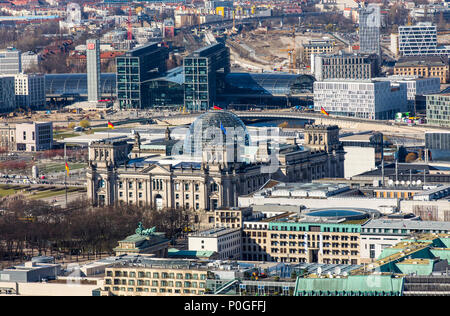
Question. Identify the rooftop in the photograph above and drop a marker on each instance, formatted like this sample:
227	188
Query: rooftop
422	60
408	224
214	232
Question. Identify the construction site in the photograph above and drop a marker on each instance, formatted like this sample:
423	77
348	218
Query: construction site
269	50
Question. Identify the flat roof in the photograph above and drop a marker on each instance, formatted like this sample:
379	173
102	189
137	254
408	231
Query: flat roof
214	232
407	224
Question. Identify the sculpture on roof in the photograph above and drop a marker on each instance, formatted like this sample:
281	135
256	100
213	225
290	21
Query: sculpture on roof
145	232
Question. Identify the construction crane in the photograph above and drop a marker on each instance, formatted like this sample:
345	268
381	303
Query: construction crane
292	53
129	31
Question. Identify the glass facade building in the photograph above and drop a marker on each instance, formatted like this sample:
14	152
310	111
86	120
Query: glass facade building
136	67
10	61
166	91
265	89
369	29
417	40
201	72
438	109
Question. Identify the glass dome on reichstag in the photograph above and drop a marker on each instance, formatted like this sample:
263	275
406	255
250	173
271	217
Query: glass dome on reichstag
216	128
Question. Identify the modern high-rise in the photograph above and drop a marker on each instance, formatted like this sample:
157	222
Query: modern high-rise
369	99
134	69
416	40
93	69
202	70
344	66
10	61
7	95
369	29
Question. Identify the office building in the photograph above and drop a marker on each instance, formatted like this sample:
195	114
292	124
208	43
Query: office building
368	99
10	61
93	69
437	140
232	217
438	109
146	276
30	61
416	87
423	66
367	145
34	136
225	241
202	70
329	236
30	91
322	46
378	234
418	40
426	173
136	67
369	29
30	271
7	94
156	277
344	66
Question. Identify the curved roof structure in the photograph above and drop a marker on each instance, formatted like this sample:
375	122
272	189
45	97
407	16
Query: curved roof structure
269	83
217	127
76	84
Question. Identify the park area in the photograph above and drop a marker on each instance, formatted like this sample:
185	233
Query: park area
35	192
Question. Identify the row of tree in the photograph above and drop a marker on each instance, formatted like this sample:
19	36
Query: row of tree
30	227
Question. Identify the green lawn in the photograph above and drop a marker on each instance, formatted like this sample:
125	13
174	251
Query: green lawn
49	193
7	190
59	167
46	194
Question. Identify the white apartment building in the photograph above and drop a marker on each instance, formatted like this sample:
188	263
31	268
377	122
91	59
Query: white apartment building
225	241
419	39
368	99
7	95
29	90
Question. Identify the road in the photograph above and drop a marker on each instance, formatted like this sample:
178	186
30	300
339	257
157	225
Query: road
60	200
